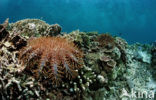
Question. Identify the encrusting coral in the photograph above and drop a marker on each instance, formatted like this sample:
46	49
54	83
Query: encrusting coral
54	58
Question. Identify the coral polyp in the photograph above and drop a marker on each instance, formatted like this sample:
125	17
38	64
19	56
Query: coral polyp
54	58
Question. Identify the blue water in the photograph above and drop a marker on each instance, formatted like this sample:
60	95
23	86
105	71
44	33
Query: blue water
134	20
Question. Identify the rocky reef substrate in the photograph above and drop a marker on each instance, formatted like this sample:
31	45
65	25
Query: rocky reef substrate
111	67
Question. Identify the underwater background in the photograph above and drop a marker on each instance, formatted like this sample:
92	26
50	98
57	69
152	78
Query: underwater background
134	20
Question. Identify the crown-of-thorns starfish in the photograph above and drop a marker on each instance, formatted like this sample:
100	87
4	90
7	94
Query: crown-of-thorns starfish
53	57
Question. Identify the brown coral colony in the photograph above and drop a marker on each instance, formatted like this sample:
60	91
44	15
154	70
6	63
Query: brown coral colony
105	40
53	57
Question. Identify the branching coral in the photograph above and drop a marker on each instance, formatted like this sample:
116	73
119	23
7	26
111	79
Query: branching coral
53	57
3	33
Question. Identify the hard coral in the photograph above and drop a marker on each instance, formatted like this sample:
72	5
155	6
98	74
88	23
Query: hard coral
3	32
108	63
105	40
30	27
53	57
53	30
10	40
153	52
35	27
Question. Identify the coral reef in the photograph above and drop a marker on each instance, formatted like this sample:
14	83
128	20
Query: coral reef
3	33
53	57
104	63
107	62
35	27
105	40
153	54
53	30
139	75
17	85
34	65
11	83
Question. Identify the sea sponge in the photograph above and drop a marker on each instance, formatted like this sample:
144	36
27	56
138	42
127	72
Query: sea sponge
54	58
